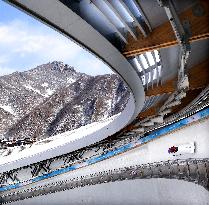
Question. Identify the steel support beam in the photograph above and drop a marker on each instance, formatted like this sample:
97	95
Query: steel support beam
137	23
122	35
114	9
163	35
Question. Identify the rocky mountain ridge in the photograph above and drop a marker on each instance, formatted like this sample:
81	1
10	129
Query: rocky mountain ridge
53	98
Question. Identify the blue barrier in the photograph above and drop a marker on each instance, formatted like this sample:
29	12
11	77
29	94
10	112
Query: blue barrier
155	134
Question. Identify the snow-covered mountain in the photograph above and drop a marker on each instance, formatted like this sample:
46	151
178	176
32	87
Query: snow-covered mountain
53	98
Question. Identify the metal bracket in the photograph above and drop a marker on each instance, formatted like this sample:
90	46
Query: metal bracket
182	32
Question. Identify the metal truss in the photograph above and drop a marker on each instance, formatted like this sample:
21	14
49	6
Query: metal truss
40	168
181	115
9	176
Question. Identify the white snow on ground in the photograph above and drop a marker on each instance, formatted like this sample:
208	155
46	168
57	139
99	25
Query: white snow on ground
55	141
49	92
98	131
45	84
29	87
8	108
71	80
119	98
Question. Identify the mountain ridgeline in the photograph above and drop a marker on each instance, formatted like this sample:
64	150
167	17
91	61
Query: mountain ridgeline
53	98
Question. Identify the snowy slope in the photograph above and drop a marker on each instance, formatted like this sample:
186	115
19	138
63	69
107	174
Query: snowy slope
53	98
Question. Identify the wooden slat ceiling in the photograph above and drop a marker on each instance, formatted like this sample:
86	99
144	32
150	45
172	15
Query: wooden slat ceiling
198	78
163	36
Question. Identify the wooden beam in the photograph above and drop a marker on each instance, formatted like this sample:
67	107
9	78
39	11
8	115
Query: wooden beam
151	111
167	87
198	78
163	36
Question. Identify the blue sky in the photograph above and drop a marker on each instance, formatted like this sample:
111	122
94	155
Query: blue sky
26	43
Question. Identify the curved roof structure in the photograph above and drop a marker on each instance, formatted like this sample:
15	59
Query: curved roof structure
160	49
